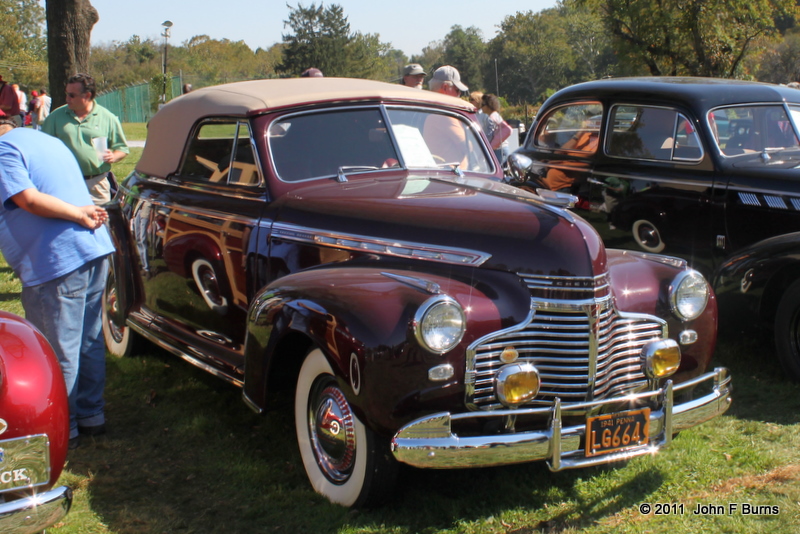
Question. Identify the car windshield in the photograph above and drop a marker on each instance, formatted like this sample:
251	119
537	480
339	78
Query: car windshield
749	129
348	141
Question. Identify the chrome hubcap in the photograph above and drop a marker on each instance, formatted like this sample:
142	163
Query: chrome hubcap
332	431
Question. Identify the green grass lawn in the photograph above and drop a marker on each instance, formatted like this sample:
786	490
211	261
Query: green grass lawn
185	455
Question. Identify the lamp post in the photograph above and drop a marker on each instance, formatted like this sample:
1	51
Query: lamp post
167	24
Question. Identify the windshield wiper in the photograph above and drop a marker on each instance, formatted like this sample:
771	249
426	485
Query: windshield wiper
340	176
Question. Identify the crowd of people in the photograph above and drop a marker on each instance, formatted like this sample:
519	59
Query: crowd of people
447	80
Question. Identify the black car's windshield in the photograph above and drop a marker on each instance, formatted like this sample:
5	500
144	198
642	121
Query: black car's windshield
315	145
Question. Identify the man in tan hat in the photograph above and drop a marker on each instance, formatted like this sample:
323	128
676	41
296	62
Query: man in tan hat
413	75
447	80
444	134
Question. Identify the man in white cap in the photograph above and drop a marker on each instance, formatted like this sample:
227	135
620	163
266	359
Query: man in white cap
413	75
447	80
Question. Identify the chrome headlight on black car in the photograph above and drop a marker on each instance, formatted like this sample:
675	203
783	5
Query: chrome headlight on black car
439	324
688	295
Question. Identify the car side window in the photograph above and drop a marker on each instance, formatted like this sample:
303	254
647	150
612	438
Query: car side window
575	127
652	133
221	152
750	129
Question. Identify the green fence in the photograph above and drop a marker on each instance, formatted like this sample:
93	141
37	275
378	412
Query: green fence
134	104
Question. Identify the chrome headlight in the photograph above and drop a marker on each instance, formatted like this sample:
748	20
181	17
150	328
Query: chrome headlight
439	324
688	295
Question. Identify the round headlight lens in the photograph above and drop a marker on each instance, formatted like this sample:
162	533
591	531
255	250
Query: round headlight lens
440	324
688	295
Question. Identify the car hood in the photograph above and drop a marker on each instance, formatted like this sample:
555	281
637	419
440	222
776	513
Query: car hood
508	228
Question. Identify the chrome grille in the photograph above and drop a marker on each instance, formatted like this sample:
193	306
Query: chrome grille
584	350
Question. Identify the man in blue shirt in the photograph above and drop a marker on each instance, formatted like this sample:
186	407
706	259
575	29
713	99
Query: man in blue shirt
53	236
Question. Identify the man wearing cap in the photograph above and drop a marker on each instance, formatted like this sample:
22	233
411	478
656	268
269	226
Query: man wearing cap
444	134
9	102
413	75
447	80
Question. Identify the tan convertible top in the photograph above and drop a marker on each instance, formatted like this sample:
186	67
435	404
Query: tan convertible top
170	127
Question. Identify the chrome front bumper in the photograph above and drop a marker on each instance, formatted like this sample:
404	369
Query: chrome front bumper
36	512
429	442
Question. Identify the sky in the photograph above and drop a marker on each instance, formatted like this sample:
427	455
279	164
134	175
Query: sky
409	25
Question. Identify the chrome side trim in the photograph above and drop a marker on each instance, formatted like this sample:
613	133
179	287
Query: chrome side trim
360	243
417	283
430	442
35	512
144	332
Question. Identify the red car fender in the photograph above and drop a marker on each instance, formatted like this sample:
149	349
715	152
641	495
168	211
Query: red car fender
33	395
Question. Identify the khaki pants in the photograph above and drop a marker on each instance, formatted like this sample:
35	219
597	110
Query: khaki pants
100	189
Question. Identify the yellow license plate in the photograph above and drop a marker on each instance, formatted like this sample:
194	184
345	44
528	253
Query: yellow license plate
616	431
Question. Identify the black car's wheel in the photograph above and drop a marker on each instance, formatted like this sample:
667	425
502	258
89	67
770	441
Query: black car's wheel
787	331
647	236
205	276
120	340
345	461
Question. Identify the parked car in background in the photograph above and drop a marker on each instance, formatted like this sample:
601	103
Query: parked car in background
691	167
761	283
34	430
350	243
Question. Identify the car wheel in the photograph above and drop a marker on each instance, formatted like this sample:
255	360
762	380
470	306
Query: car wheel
647	236
345	461
205	276
120	340
787	331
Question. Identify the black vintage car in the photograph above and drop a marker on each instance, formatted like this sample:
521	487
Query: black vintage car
691	167
349	244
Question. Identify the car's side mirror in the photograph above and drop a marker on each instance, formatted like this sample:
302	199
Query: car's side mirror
518	167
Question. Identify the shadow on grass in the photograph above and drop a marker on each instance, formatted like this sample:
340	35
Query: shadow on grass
184	454
762	391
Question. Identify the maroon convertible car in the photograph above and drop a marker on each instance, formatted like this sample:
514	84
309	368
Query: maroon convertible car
351	243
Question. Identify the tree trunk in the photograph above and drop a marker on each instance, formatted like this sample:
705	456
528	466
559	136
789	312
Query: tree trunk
69	29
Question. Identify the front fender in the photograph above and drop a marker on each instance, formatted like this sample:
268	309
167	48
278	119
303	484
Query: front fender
641	285
362	319
751	283
33	396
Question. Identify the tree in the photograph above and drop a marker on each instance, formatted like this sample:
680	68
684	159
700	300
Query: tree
69	28
693	37
321	38
466	51
119	64
22	43
781	63
534	55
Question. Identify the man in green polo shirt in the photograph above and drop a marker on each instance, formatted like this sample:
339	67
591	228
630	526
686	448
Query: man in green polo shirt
92	133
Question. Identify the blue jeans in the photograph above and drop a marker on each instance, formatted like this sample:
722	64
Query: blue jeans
68	311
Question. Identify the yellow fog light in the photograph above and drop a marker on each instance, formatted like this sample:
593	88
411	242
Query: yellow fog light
661	358
517	384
